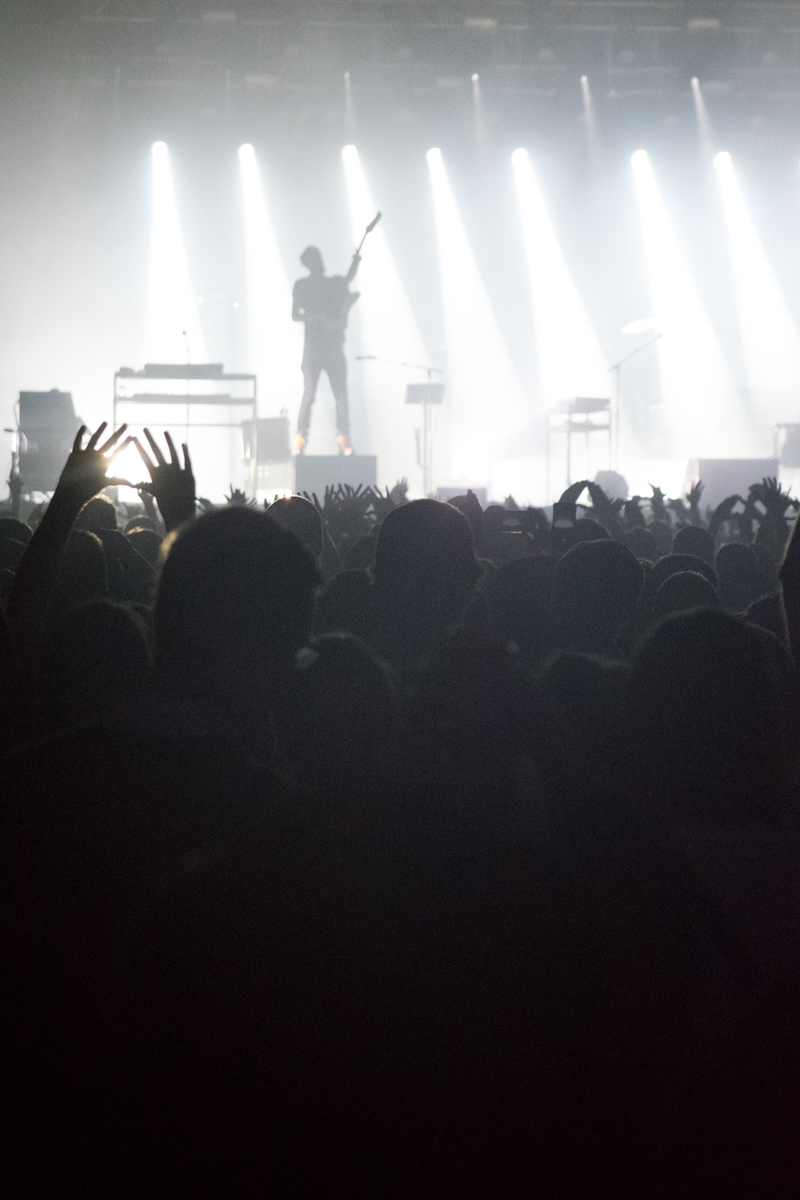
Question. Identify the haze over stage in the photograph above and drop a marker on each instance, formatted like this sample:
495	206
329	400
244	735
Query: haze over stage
166	164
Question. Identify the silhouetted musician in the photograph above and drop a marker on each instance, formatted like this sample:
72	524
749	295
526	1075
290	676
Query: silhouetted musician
323	303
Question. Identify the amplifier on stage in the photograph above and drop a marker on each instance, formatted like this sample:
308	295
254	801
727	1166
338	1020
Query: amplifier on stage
787	445
723	477
47	428
273	440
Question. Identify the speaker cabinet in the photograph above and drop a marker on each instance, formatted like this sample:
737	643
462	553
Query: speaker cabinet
47	425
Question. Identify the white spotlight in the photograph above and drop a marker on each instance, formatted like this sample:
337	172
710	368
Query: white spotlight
485	399
702	410
274	340
389	335
172	327
770	338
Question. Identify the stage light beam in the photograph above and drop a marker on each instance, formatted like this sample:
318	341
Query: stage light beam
704	127
571	362
478	115
770	338
274	340
485	400
173	332
590	122
389	335
702	410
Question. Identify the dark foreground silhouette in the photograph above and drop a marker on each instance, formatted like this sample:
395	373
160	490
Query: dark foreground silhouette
472	870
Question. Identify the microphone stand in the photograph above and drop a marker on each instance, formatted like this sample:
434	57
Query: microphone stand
616	369
427	435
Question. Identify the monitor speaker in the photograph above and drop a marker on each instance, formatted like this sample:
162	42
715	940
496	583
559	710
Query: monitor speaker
723	477
790	450
273	440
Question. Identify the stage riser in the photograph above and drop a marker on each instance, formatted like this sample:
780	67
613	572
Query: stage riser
315	472
723	477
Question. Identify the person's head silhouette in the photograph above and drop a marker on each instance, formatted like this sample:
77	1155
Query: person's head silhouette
682	592
694	539
425	572
518	604
595	590
96	652
707	717
298	515
311	258
740	580
235	603
97	515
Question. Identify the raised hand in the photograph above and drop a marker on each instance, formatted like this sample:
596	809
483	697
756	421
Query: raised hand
694	503
130	576
15	492
238	498
573	492
84	473
657	503
382	504
607	511
399	493
312	498
149	505
771	495
471	508
694	495
633	513
724	509
171	484
723	512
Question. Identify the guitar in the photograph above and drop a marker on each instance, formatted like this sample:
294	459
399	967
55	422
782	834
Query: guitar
369	229
338	324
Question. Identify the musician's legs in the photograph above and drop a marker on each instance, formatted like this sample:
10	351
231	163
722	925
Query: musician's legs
336	368
312	368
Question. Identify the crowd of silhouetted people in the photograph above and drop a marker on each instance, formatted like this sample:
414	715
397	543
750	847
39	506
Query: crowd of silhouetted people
359	846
